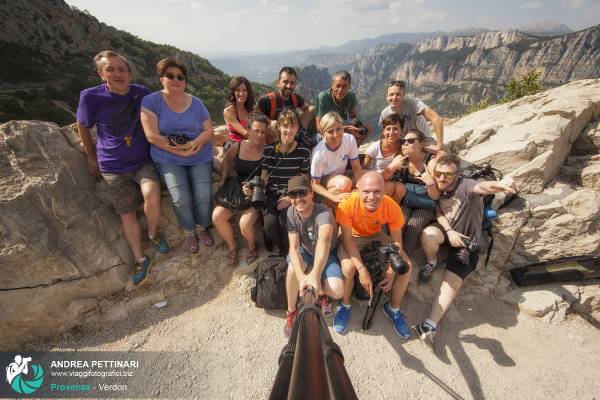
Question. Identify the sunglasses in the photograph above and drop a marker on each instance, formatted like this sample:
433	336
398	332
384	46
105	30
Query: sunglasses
447	175
409	141
171	76
397	83
297	193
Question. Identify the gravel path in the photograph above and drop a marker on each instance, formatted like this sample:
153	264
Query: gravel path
230	348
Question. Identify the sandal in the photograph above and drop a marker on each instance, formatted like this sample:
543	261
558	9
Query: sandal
206	238
232	257
191	244
252	256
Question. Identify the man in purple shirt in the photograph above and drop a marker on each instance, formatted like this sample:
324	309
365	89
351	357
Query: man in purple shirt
121	155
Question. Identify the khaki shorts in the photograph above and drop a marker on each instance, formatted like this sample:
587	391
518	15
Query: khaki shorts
362	242
124	189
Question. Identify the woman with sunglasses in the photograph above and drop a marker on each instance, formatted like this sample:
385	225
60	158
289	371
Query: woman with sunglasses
240	101
385	156
417	169
180	131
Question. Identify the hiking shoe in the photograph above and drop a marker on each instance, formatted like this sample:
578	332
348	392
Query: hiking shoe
397	320
325	305
161	244
290	317
341	320
425	334
426	272
140	271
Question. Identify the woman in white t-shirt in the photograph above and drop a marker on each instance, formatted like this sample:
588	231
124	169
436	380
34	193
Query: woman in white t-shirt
385	156
330	158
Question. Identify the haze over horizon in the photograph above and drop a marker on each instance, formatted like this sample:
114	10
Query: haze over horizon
236	27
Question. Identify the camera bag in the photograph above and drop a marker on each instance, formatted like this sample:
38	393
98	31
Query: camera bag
269	291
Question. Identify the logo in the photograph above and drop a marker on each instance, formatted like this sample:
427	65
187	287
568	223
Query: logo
127	140
19	377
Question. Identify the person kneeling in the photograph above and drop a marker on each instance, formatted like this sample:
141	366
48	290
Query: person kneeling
362	218
460	214
312	259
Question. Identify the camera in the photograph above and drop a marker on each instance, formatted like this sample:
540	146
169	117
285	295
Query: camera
363	130
464	253
376	259
178	138
258	192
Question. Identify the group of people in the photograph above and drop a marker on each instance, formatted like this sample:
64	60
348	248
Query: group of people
321	202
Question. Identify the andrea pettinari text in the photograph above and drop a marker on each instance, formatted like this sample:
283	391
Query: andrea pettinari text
76	374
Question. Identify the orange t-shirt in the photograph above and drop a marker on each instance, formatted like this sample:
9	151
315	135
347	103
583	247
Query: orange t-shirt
352	213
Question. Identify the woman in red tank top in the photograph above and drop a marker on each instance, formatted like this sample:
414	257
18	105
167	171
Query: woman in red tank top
240	101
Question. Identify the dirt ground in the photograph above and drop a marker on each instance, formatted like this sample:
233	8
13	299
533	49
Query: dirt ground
230	348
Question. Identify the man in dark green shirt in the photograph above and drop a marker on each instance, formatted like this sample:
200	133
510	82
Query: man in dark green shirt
341	99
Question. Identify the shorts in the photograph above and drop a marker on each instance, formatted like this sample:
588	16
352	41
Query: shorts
124	189
362	242
332	267
452	263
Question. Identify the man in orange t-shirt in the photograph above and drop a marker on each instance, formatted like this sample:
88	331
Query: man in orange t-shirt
361	218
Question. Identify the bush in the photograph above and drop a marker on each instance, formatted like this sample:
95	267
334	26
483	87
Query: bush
529	84
482	105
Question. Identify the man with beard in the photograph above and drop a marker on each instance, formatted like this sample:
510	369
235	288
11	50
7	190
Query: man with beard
312	259
460	214
362	218
272	103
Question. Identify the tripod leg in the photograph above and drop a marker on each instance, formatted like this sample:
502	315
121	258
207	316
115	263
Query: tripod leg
370	312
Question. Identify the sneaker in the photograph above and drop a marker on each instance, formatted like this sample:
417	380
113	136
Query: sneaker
161	244
140	271
290	317
325	305
341	320
397	320
426	272
425	334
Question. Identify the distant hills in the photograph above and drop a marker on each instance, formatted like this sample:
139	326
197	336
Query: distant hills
47	49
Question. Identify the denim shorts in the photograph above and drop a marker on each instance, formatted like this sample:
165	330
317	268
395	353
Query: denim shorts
332	267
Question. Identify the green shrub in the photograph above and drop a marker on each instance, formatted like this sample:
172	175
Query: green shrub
529	84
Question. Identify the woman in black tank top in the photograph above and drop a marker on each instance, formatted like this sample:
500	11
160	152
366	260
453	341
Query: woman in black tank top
245	157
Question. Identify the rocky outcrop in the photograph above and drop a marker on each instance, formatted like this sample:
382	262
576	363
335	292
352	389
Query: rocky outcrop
453	72
65	262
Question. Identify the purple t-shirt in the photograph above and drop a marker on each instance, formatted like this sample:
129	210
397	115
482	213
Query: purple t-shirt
170	122
122	146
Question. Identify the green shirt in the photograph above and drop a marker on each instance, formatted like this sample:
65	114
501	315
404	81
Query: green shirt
326	104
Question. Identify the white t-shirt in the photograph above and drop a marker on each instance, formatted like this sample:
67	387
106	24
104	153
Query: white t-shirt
374	152
412	112
327	162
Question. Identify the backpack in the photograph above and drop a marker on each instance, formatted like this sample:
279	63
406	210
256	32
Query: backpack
273	97
269	291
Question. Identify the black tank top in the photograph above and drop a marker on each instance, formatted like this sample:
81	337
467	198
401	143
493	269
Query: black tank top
244	168
406	177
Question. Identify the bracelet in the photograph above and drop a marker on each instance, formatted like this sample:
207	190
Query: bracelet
448	230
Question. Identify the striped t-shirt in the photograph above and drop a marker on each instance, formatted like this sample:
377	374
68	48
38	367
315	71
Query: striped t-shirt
283	166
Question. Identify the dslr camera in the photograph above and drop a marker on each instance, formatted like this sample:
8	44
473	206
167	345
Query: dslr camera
258	192
376	259
464	253
178	138
355	122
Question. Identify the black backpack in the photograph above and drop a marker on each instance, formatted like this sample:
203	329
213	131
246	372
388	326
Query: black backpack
269	291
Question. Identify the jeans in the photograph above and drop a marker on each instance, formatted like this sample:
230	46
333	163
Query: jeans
190	187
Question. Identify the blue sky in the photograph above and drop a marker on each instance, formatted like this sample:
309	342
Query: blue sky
212	28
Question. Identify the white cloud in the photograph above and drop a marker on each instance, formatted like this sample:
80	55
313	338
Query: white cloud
276	6
572	3
532	5
191	4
